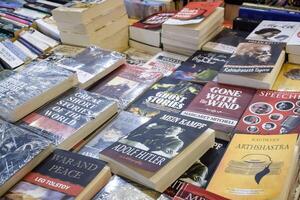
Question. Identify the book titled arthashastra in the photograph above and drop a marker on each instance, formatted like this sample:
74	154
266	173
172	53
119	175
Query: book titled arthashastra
257	167
63	175
158	152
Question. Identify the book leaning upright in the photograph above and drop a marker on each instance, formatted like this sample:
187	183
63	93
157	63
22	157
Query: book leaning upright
30	88
159	151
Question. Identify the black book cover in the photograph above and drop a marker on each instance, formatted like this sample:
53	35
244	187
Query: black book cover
243	24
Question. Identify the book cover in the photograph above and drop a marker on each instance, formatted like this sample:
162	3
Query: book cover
253	57
63	175
120	127
201	67
226	41
271	112
189	192
121	188
168	94
8	58
17	148
16	50
136	57
6	73
200	173
254	167
29	83
154	22
221	104
274	31
165	62
193	13
126	84
152	145
64	116
288	78
92	62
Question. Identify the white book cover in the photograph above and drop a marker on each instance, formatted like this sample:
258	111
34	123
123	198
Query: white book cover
40	36
30	13
274	31
9	58
25	50
41	45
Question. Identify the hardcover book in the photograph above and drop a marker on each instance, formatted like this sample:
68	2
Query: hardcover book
223	105
121	188
92	64
274	31
201	67
70	118
288	78
30	88
63	175
168	94
120	127
226	41
157	152
126	84
165	62
257	167
271	112
20	152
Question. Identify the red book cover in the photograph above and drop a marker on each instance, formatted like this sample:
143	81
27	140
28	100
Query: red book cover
271	112
191	192
221	104
154	21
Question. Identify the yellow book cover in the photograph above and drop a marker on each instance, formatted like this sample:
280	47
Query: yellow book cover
288	78
254	167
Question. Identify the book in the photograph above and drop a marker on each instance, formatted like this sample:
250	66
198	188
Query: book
48	27
257	167
254	64
157	152
293	45
121	188
294	59
226	41
25	50
70	118
245	24
8	58
223	105
21	151
126	84
144	47
165	62
148	30
63	175
274	31
288	78
271	112
168	94
6	73
92	64
16	50
200	173
201	67
63	50
135	57
120	127
192	192
30	88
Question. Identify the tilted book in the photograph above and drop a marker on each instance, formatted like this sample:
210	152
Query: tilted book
223	105
159	151
21	151
271	112
202	66
257	167
63	175
288	78
168	94
30	88
70	118
120	127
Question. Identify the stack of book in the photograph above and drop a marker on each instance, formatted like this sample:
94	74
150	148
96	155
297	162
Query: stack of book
293	47
192	27
104	24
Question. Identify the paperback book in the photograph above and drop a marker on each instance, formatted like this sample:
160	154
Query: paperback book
223	105
288	78
70	118
120	127
157	152
271	112
201	67
21	151
63	175
168	94
126	84
135	57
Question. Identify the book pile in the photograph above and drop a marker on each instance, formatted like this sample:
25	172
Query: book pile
189	29
104	24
